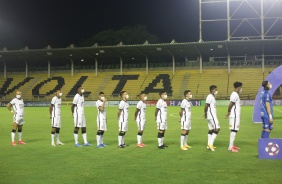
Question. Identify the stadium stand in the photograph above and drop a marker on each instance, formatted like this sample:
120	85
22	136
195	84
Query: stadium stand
156	81
49	86
133	87
13	83
200	83
193	83
5	86
164	79
180	81
251	79
92	84
110	85
38	86
80	82
122	81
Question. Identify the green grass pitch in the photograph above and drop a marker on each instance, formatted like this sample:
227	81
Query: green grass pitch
39	162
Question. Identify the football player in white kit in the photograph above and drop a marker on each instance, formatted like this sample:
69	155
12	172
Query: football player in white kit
18	118
185	119
234	111
101	120
161	118
122	116
55	116
77	110
210	115
140	118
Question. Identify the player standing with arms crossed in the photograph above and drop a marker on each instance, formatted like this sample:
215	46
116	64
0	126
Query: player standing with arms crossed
161	118
77	110
18	112
122	116
185	119
234	113
140	118
101	120
210	115
266	110
55	116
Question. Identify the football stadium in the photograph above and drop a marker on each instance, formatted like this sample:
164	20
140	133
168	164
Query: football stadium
149	69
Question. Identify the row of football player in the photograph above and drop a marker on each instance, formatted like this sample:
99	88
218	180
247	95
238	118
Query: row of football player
77	109
160	117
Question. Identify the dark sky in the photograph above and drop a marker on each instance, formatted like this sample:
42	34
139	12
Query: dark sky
38	23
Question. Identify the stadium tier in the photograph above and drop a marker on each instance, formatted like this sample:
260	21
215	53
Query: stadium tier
211	77
40	87
251	78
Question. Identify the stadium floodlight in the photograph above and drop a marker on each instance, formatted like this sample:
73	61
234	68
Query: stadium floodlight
244	19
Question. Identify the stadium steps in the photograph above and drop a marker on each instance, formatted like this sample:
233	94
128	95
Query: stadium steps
193	83
155	80
5	84
80	81
16	85
133	86
110	85
123	80
69	84
93	84
251	79
27	89
48	86
179	83
102	80
159	85
212	77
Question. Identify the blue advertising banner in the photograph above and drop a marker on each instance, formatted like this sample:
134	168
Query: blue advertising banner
270	149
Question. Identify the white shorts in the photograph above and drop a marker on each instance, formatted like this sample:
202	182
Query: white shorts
56	122
123	126
213	123
18	119
162	126
234	123
101	124
185	125
141	125
79	121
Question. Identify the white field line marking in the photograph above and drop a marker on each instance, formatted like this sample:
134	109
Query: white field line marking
175	115
277	110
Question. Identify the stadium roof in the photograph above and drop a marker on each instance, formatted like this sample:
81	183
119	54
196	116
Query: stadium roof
189	50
